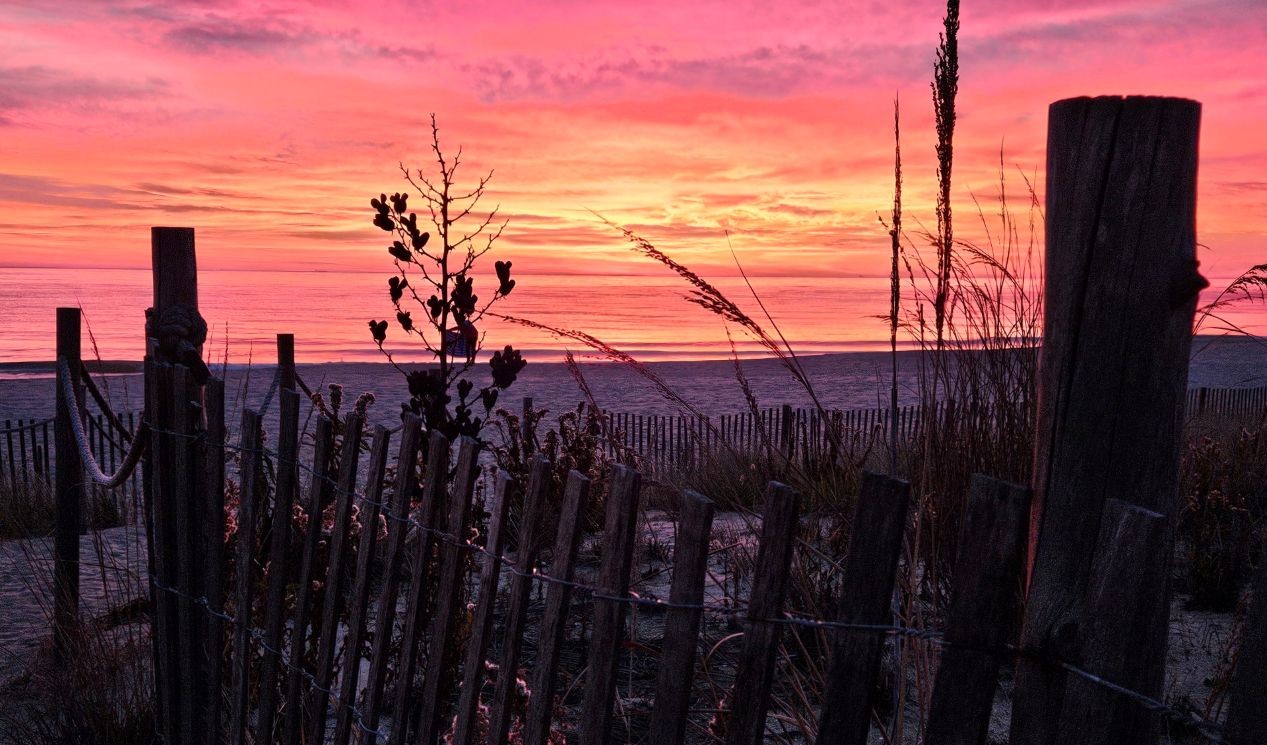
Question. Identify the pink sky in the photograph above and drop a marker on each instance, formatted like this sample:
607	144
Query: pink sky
268	125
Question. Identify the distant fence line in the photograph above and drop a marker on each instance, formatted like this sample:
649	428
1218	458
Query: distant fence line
664	441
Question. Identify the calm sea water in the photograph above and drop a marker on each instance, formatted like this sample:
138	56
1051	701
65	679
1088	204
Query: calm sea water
328	313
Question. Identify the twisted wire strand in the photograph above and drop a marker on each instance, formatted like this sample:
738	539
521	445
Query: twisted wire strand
93	468
25	427
1210	730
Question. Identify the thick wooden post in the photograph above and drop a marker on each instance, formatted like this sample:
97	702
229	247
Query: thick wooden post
1121	288
879	522
70	488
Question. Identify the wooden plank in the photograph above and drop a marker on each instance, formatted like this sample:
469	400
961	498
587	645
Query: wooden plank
554	620
609	615
319	491
69	490
434	498
211	482
1246	714
1121	197
397	515
287	465
371	509
681	625
1125	600
344	496
453	555
989	571
879	522
249	495
181	494
516	614
750	695
485	607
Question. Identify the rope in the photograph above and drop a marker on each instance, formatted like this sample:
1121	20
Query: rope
133	457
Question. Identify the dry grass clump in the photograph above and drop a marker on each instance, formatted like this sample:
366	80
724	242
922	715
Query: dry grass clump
26	509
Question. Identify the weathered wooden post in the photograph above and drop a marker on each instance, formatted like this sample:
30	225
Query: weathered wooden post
69	486
286	361
1246	715
1121	288
175	333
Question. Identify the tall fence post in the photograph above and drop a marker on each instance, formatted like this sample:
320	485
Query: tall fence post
1121	289
70	488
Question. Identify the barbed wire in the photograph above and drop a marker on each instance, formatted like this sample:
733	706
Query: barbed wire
1206	728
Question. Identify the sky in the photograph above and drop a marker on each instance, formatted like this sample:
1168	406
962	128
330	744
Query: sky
269	125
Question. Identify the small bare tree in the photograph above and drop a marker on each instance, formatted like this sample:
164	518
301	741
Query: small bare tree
450	309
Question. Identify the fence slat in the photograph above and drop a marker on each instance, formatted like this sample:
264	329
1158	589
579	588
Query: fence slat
249	494
1125	600
180	470
1246	714
453	558
287	466
486	606
554	620
345	493
434	498
520	588
609	615
879	521
681	625
750	694
319	493
983	613
211	467
397	530
371	509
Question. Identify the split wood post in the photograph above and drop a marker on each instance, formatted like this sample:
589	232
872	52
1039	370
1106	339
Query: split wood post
453	555
371	509
249	496
554	620
520	591
1246	714
1121	605
435	496
397	530
69	488
485	608
319	491
609	615
749	697
345	494
681	624
1121	289
211	466
989	570
278	560
879	522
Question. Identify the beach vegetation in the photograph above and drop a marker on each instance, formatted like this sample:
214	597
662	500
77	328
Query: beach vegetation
434	297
